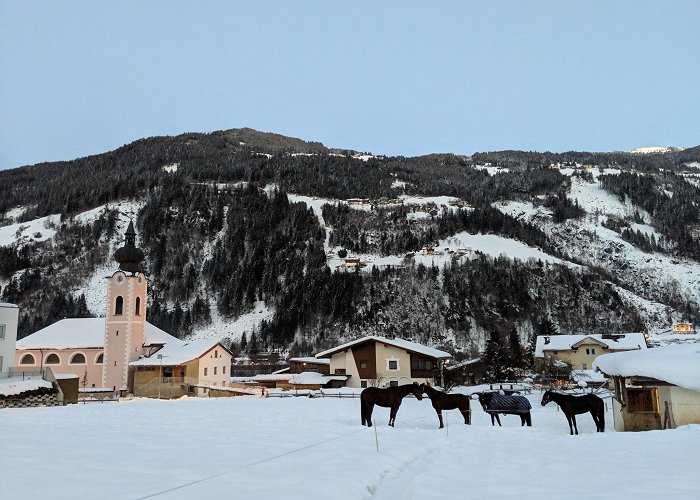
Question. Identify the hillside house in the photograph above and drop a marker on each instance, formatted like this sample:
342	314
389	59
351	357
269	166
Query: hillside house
581	350
655	388
381	362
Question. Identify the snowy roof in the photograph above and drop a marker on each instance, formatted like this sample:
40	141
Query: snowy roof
311	360
17	385
179	352
83	333
8	305
621	342
586	376
314	378
272	377
400	343
677	364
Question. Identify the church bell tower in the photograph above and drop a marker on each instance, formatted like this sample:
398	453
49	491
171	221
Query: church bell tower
125	324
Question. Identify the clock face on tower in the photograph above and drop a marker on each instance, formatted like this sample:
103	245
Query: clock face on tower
119	278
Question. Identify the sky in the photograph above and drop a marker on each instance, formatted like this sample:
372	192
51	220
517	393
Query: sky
392	77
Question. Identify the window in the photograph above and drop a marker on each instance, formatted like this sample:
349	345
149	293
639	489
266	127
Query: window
642	400
584	366
2	332
394	383
138	306
27	359
77	359
215	370
100	359
393	364
205	372
119	305
216	353
593	350
363	364
363	383
223	370
588	351
53	359
167	371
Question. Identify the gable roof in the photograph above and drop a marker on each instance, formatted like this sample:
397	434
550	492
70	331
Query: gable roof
83	333
621	342
180	352
400	343
677	364
315	361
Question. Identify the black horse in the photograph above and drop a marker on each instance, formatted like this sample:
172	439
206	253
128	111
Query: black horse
442	401
494	403
573	405
390	397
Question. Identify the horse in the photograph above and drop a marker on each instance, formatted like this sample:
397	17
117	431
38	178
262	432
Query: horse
442	401
573	405
494	403
390	397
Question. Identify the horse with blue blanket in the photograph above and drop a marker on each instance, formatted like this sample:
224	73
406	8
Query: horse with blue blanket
494	403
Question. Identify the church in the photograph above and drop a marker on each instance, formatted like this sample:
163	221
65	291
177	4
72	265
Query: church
122	351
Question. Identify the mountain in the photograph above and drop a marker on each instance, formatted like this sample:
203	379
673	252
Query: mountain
246	235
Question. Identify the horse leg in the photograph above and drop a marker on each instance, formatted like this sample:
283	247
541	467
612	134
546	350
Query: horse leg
467	416
571	429
439	412
601	420
528	419
368	414
392	415
573	418
498	419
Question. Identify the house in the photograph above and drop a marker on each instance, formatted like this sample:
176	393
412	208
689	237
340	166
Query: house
378	361
581	350
655	388
309	364
123	352
9	314
179	366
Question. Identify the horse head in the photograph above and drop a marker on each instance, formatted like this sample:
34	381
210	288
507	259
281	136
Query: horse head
418	390
547	397
485	399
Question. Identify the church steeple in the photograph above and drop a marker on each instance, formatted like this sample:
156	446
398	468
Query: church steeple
128	256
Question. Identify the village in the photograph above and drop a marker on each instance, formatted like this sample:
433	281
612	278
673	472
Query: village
652	385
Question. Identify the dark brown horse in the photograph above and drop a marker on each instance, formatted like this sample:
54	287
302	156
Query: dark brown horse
442	401
573	405
390	397
494	403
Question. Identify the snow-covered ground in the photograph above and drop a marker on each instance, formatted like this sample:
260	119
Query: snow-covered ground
302	448
24	232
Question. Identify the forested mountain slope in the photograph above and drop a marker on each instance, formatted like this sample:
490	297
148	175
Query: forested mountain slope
245	233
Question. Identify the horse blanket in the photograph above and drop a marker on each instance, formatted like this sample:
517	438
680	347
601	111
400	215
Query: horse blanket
508	404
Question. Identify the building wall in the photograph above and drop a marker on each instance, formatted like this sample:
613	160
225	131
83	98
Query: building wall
345	360
386	353
579	358
9	314
91	367
125	332
685	405
217	364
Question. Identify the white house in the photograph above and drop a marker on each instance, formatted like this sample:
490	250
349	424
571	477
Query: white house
580	351
654	388
9	314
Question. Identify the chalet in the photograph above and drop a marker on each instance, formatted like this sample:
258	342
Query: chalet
655	388
581	350
378	361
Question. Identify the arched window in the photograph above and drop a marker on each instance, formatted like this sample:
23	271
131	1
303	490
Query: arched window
138	306
119	305
27	359
100	359
77	359
53	359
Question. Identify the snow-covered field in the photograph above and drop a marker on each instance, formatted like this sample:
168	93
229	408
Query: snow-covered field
302	448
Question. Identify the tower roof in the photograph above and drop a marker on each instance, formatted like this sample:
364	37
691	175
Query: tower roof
128	256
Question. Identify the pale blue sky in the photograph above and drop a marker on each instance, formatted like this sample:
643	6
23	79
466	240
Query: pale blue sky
391	77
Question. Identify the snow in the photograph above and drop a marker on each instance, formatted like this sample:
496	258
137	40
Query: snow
596	200
17	385
654	149
8	305
566	342
313	378
32	231
426	200
400	343
171	168
677	364
491	170
176	353
315	361
15	213
73	333
302	448
222	328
